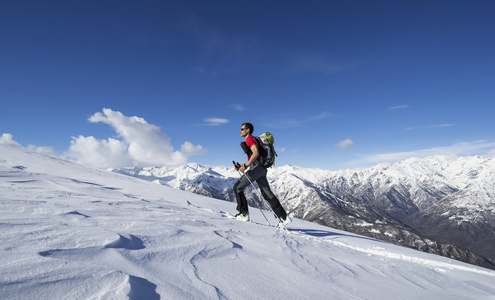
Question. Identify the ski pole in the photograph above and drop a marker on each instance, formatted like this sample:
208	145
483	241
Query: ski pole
237	166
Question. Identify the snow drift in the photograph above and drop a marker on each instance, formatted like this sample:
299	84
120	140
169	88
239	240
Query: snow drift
72	232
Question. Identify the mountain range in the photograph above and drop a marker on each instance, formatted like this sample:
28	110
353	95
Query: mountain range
440	204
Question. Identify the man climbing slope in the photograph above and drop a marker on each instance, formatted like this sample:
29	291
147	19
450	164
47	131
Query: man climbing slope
253	171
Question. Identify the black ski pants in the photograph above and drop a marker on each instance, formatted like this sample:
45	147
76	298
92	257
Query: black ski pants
256	174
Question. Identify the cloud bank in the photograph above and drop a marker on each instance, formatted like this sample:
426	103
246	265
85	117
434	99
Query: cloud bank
7	139
140	144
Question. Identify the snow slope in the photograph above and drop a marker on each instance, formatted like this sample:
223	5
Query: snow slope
439	204
71	232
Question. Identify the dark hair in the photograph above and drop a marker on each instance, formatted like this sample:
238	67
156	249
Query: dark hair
249	126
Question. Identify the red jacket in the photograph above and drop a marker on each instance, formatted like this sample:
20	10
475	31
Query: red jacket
250	140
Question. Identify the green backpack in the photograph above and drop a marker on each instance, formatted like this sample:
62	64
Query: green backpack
267	151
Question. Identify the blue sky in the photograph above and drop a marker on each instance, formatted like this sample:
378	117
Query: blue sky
340	84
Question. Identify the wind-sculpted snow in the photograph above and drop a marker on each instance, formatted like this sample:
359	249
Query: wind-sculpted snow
70	232
443	205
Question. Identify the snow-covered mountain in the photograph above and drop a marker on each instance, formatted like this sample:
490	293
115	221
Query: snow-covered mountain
439	204
72	232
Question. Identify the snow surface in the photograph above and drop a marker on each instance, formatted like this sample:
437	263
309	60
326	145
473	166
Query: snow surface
72	232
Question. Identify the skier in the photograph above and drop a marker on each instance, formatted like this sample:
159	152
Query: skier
253	171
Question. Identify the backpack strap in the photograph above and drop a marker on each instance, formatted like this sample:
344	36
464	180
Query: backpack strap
246	149
258	146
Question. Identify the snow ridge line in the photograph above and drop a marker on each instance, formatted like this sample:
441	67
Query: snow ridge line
431	263
438	266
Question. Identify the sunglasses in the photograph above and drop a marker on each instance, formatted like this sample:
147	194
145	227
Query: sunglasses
243	129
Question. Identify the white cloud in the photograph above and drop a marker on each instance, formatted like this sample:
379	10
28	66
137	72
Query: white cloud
481	147
189	149
431	126
142	144
345	145
43	150
100	153
215	121
398	107
238	107
441	126
7	139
